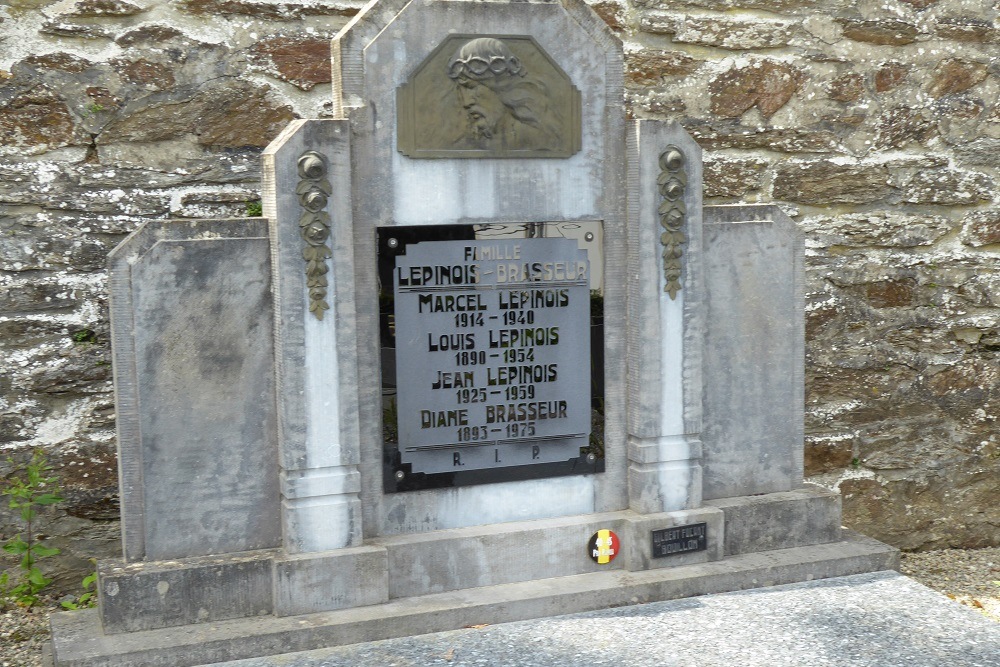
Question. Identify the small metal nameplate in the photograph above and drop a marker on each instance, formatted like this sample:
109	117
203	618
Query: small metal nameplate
680	540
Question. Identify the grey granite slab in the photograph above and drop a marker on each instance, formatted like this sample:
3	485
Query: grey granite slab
192	333
754	355
880	619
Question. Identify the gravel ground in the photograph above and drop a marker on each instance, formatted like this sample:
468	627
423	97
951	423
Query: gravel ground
970	577
22	633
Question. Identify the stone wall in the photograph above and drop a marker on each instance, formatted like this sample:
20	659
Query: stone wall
873	124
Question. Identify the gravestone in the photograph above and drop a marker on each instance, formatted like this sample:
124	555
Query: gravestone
485	358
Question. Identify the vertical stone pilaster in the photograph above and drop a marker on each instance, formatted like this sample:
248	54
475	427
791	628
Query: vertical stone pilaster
665	325
307	194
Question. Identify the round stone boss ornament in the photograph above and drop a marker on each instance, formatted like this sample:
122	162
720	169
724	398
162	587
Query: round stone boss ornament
603	546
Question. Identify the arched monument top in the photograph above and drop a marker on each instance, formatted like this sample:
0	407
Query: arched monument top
370	24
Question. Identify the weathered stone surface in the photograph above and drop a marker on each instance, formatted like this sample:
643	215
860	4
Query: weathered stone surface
96	8
789	6
141	72
655	104
766	84
732	178
909	512
59	60
733	34
955	76
215	204
659	23
35	296
149	33
80	369
822	182
982	228
955	108
828	453
90	473
887	32
80	30
966	29
56	252
101	98
650	68
920	4
847	88
903	125
890	293
883	229
947	186
227	114
275	11
889	75
302	62
611	13
716	136
36	120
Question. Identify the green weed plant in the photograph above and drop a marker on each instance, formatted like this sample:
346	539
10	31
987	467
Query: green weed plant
28	490
88	598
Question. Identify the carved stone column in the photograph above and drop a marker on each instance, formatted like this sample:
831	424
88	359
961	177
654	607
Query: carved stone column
307	195
665	324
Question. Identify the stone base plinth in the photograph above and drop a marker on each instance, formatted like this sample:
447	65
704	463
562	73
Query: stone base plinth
78	641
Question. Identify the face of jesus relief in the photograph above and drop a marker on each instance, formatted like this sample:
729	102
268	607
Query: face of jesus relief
483	107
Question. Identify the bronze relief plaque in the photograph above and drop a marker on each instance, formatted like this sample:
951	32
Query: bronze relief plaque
479	96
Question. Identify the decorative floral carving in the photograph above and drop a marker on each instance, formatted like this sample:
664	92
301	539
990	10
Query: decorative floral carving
313	191
672	182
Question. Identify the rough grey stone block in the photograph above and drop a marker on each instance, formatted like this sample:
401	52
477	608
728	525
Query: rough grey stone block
193	357
144	596
754	352
810	515
338	579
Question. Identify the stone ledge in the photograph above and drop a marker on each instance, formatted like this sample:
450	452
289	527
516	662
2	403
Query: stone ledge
78	641
808	515
143	596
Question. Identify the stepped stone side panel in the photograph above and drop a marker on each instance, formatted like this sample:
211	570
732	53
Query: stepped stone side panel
194	367
754	335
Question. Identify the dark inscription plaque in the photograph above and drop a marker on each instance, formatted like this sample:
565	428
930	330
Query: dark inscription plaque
680	540
492	358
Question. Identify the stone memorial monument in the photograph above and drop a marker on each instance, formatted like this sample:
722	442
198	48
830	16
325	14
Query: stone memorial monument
486	357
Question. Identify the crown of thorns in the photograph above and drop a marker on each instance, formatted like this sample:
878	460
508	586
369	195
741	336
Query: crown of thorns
481	67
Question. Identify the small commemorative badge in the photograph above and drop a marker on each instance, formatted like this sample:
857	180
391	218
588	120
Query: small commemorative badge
603	546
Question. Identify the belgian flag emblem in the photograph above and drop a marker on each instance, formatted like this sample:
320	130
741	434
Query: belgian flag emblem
603	546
